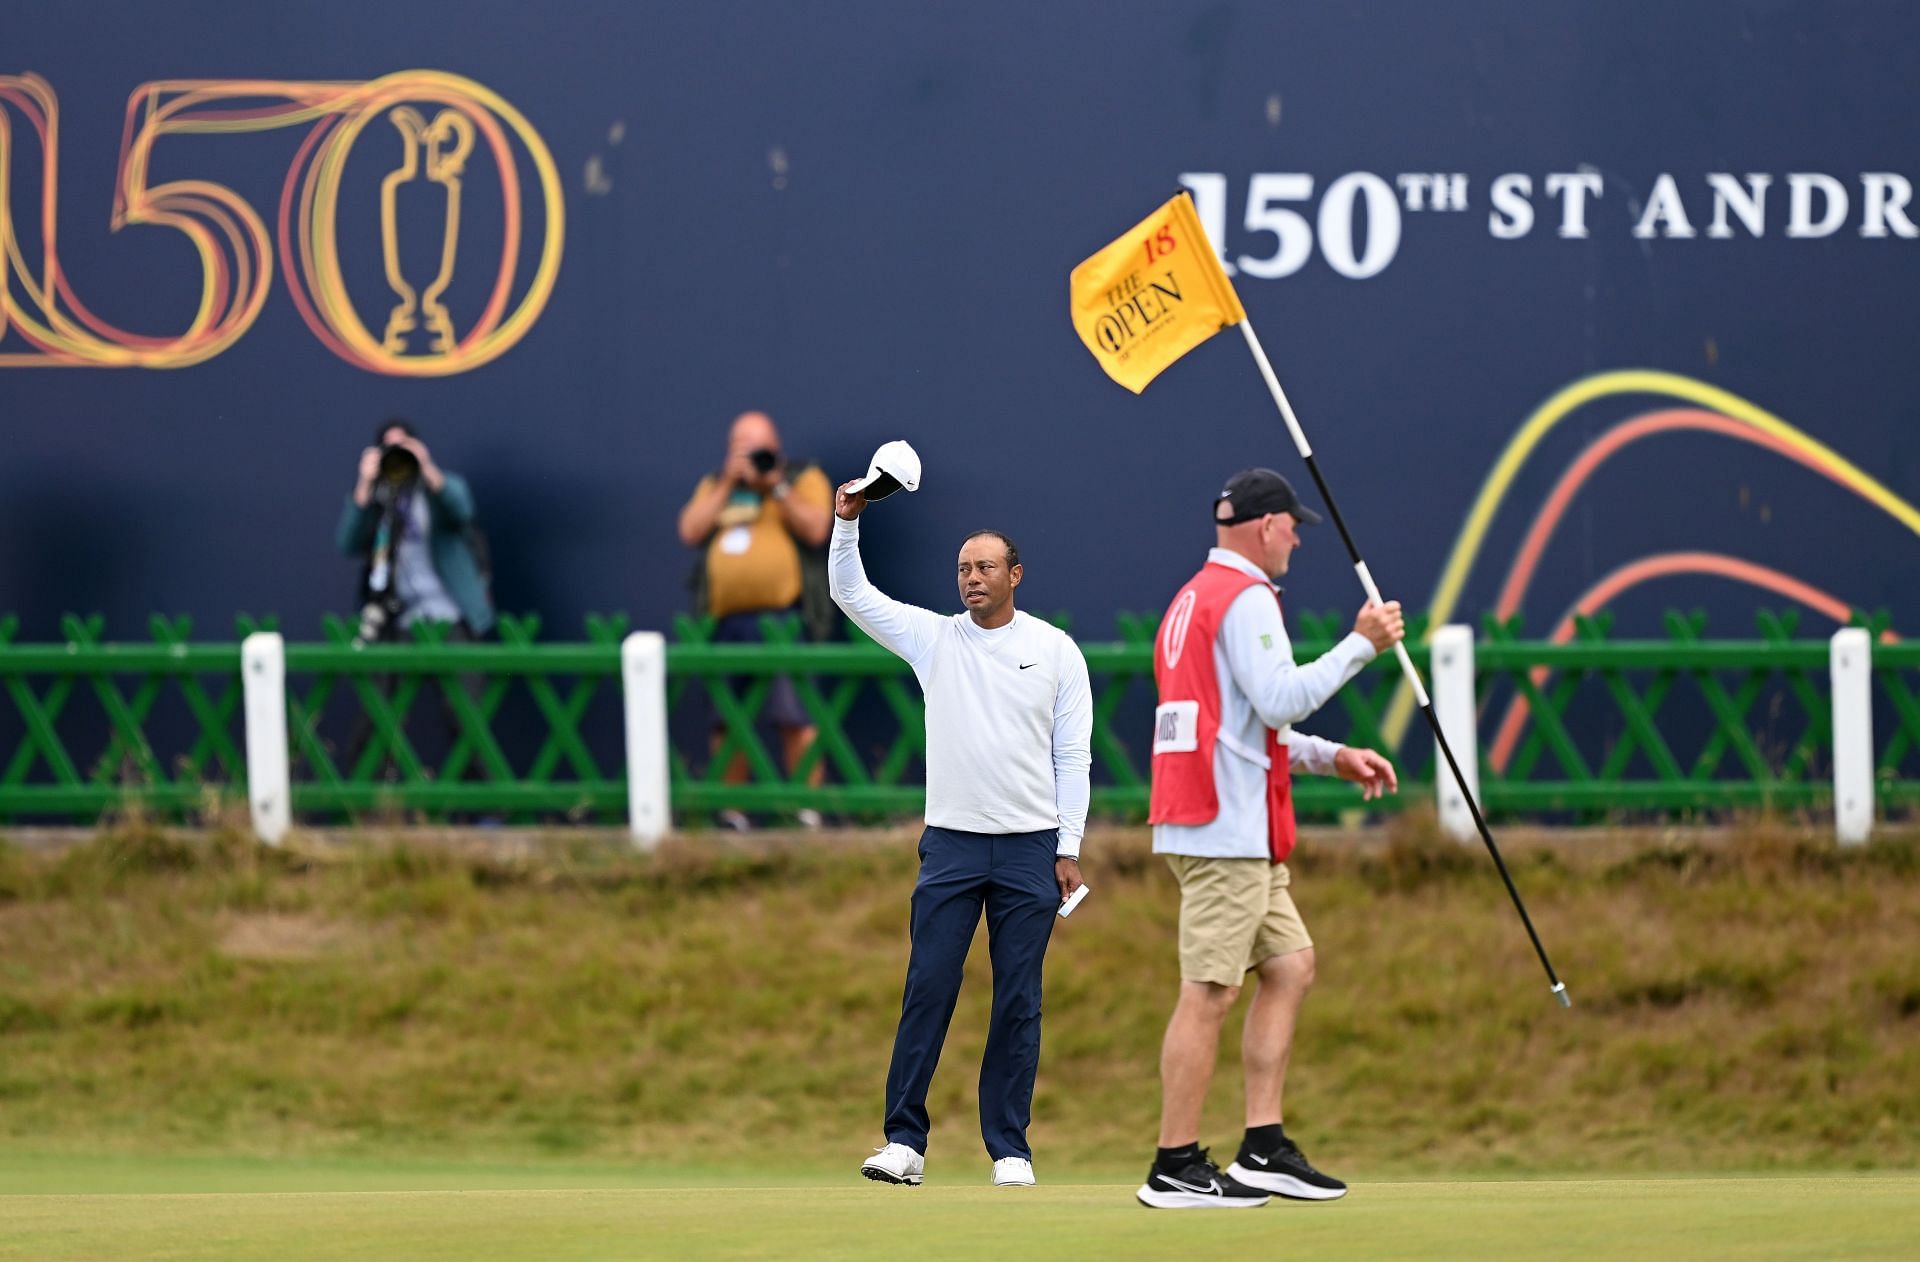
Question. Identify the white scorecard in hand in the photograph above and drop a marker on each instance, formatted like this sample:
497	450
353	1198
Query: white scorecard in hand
1073	901
894	465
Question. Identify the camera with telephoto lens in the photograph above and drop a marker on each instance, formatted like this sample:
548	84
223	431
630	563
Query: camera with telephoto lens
764	459
397	464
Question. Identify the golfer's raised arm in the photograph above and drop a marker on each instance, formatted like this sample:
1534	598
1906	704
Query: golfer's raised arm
905	630
1258	653
1072	750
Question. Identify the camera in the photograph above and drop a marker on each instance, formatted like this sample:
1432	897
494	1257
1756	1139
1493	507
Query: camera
397	464
764	460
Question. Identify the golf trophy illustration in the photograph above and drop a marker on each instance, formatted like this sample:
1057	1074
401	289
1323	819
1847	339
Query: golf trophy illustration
431	153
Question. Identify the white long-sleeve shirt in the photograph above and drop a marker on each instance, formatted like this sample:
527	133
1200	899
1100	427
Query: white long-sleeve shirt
1009	711
1260	687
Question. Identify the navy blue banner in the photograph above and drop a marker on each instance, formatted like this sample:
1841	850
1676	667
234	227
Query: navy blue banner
1583	306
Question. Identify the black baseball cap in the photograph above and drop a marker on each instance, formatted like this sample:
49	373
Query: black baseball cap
1256	492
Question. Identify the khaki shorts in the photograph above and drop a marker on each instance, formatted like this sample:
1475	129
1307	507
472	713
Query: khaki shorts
1234	913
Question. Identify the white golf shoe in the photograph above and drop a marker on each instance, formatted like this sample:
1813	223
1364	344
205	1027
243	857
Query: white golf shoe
1013	1172
897	1163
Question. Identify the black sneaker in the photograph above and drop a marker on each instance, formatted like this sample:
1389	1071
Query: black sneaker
1285	1172
1199	1185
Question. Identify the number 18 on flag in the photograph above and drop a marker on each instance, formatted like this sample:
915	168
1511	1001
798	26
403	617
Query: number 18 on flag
1152	296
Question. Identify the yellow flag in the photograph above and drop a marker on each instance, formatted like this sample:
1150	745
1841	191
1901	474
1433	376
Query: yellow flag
1152	296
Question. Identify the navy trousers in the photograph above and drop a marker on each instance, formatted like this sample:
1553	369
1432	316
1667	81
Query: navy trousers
1011	876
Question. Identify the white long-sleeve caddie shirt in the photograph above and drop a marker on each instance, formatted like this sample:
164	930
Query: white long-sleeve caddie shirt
1260	687
1009	710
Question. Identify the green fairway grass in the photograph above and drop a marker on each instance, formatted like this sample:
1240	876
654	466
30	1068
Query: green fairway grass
503	1215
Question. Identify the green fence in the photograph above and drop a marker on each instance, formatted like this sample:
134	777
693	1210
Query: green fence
522	729
1762	731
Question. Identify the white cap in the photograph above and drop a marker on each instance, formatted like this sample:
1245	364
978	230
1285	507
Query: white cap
895	465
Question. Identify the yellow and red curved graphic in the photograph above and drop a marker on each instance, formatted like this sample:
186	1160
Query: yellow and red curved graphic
236	250
1713	411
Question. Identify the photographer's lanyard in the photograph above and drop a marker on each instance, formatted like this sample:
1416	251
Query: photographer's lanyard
385	537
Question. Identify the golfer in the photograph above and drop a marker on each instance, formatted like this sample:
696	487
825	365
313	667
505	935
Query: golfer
1222	814
1009	722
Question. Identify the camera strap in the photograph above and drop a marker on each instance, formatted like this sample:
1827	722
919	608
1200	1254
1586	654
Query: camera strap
385	537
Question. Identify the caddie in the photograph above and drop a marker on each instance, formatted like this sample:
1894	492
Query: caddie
1224	751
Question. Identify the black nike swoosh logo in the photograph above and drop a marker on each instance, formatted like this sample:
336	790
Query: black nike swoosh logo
1029	666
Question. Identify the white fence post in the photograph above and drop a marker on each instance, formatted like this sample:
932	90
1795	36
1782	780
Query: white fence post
643	679
1852	665
263	685
1454	708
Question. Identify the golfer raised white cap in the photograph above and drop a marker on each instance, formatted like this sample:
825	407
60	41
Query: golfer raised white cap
894	465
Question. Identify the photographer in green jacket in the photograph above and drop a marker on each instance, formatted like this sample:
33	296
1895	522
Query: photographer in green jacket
412	525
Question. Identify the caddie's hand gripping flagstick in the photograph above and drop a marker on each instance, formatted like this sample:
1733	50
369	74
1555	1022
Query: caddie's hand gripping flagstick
1406	662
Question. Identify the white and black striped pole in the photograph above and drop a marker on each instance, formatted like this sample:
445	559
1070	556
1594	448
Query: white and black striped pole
1406	663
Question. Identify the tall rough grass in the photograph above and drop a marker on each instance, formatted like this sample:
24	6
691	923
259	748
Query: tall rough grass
1749	1000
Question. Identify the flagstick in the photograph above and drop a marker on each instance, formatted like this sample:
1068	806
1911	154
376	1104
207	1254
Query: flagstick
1559	990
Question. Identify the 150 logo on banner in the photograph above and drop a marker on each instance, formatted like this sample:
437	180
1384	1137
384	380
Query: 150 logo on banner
440	120
1358	223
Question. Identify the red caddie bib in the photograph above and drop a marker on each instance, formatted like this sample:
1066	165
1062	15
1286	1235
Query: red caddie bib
1187	723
